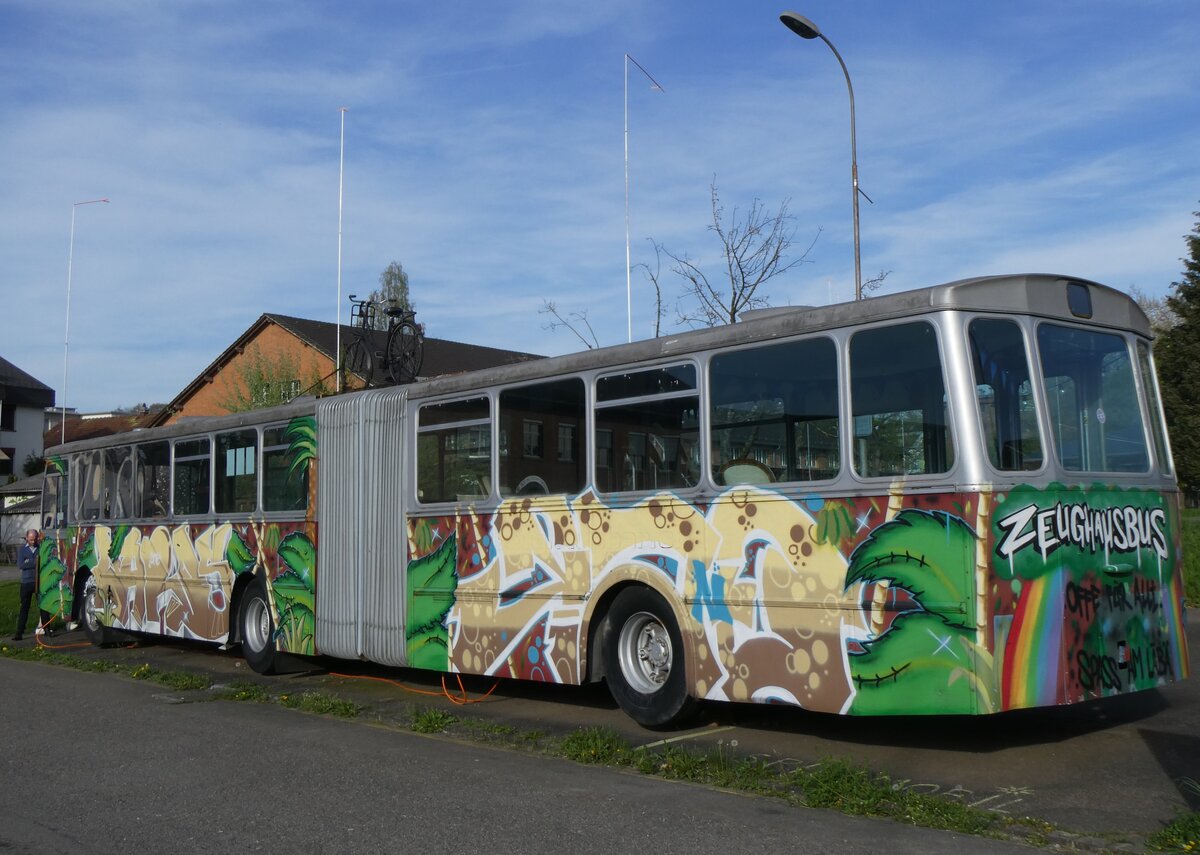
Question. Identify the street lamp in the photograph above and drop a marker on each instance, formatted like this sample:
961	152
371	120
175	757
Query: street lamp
67	328
806	29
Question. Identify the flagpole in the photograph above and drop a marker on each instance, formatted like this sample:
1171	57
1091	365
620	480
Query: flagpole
628	270
628	266
67	324
341	184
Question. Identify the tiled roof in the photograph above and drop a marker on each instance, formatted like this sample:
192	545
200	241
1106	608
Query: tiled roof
440	355
91	428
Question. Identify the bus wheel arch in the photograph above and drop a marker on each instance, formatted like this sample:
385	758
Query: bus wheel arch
644	657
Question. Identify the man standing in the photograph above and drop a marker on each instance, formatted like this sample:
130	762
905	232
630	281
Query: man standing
27	563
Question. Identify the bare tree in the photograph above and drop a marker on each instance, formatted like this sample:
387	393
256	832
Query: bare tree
573	321
875	282
653	276
1158	310
755	250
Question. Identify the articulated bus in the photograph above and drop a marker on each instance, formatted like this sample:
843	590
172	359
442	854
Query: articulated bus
952	500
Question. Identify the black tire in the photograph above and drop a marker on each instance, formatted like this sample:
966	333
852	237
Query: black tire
405	350
359	360
644	659
91	601
256	628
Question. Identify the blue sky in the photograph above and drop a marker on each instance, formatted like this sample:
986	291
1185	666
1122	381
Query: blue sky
484	151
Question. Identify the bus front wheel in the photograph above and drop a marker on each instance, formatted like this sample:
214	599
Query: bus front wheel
257	628
643	659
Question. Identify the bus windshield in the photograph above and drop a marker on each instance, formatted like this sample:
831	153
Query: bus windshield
1093	402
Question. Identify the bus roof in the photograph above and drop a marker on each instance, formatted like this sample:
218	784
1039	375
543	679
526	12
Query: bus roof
1043	295
1025	294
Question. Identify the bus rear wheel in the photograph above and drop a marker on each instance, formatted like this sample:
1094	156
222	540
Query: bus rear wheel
96	632
256	627
643	659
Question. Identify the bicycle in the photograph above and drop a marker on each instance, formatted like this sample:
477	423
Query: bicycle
403	352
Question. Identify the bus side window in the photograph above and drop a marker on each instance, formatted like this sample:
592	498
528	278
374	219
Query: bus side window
285	488
1004	395
87	495
191	465
153	480
1153	406
548	458
118	483
647	429
236	490
774	413
898	399
454	451
54	503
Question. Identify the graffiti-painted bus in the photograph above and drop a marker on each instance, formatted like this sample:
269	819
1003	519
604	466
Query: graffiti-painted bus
958	499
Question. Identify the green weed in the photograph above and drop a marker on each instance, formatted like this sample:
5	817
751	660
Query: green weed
842	786
322	704
429	720
597	745
487	728
180	681
240	691
1181	835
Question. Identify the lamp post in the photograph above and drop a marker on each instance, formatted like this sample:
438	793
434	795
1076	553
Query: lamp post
67	327
806	29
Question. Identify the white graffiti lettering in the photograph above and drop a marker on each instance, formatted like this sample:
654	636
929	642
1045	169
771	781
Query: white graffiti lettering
1124	529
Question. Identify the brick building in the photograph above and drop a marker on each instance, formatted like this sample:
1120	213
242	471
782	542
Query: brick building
307	349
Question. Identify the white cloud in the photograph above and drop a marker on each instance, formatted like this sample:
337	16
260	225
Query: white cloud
485	152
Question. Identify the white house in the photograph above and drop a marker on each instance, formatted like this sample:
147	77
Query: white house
23	401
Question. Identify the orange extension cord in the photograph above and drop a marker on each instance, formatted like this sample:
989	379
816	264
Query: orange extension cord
459	700
44	626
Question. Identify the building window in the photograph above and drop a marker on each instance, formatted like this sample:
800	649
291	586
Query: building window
533	439
271	394
6	460
566	443
8	416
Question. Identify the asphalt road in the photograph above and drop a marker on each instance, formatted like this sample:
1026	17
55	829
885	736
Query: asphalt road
1116	767
99	764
